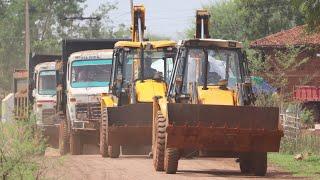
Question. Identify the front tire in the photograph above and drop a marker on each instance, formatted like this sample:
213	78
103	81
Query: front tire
75	144
171	160
114	151
260	163
159	142
63	138
103	134
245	163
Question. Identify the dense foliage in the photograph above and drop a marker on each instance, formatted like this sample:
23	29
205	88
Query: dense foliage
21	147
48	25
249	20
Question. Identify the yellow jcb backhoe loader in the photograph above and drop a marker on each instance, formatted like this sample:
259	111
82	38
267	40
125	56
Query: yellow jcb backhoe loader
140	71
208	107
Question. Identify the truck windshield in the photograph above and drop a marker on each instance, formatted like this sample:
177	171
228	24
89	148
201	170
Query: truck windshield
47	82
223	65
91	73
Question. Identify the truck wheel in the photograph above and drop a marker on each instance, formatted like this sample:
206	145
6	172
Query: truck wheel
245	163
63	138
171	160
259	163
114	151
159	144
75	143
103	135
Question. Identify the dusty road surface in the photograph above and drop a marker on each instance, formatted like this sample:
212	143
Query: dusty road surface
93	167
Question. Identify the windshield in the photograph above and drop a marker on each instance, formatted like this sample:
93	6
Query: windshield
157	64
222	65
90	73
47	83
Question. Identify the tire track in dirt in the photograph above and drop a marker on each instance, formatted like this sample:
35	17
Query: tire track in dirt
94	167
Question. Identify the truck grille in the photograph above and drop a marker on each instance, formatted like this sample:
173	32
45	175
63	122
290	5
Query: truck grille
48	116
91	111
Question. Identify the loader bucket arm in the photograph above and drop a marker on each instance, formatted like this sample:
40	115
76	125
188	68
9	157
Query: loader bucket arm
138	23
202	24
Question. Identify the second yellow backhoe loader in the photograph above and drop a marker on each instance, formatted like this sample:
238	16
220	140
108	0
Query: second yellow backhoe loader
140	71
208	107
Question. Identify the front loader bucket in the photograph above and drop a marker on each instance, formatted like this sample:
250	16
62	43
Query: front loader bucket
223	128
130	124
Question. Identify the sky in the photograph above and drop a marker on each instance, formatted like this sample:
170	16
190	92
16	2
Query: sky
167	18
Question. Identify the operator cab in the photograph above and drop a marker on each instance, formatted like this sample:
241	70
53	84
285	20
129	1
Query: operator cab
138	66
206	67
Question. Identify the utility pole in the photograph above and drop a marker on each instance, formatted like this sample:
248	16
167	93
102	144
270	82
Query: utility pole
131	8
27	34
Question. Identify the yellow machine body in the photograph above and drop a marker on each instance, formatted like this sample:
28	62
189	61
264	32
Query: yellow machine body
148	89
216	96
129	112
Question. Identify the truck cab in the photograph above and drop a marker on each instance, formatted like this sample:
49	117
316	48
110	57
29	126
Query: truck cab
44	94
88	74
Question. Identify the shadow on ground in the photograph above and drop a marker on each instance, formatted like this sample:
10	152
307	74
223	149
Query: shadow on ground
234	174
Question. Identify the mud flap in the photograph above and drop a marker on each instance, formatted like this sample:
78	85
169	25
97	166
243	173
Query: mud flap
223	128
130	124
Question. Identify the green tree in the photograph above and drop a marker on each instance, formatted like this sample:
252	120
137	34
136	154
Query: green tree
104	27
48	25
249	20
311	10
265	17
226	20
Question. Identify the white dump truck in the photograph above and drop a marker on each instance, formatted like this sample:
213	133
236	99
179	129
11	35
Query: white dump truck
83	75
44	97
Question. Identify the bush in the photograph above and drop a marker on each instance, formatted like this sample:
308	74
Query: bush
20	149
307	117
267	100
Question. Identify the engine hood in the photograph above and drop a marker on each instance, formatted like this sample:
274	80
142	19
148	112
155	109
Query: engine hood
216	96
148	89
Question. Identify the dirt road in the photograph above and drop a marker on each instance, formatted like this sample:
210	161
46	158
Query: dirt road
93	167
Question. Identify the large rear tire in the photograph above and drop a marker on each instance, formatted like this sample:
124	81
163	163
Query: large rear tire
75	144
63	138
159	142
114	151
171	160
103	134
259	163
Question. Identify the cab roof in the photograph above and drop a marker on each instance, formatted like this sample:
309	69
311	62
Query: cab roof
45	66
154	44
91	54
212	43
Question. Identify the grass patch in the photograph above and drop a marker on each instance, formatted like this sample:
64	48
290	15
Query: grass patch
308	167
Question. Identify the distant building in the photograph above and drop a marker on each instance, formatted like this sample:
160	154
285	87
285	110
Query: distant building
306	74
